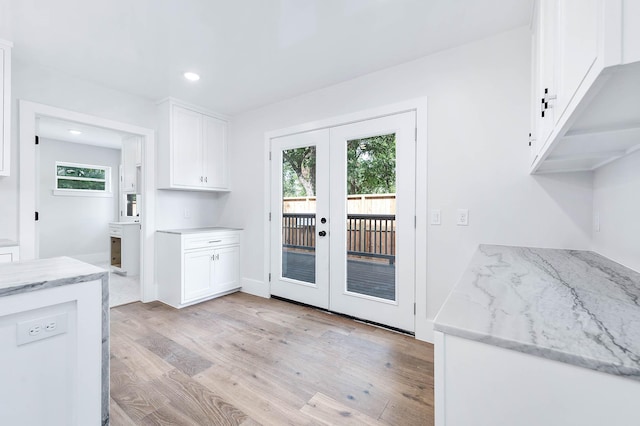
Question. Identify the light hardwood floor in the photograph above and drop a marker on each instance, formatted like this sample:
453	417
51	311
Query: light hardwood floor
246	360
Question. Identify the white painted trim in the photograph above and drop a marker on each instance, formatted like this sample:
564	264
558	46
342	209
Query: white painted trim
28	111
81	193
423	326
255	287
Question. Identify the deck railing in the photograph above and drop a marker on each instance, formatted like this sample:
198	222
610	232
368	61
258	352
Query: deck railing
368	235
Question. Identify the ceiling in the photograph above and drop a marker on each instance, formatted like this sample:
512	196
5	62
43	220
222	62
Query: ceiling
248	52
53	128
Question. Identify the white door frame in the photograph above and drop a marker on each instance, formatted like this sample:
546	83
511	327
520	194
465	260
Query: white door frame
28	112
423	327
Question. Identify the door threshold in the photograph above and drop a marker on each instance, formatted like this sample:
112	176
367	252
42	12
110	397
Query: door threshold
360	320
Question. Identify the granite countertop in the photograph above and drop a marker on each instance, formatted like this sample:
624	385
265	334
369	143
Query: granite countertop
22	277
567	305
197	230
7	243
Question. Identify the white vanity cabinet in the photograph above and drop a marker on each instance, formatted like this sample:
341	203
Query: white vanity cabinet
585	74
125	247
192	148
5	107
197	265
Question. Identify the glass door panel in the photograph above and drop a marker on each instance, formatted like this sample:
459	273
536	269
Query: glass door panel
300	204
299	213
371	216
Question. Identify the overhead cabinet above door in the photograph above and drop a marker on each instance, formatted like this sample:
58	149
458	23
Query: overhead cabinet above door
192	148
586	83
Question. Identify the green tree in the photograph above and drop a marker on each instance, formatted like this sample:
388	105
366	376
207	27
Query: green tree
371	167
301	164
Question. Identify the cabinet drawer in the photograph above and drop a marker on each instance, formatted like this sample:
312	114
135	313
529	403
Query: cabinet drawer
115	230
6	257
210	240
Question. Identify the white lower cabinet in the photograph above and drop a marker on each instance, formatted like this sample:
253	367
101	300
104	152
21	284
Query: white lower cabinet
194	266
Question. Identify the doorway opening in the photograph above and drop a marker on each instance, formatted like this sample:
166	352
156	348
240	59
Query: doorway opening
88	195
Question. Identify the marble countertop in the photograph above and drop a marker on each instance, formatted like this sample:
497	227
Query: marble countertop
124	223
7	243
198	230
22	277
571	306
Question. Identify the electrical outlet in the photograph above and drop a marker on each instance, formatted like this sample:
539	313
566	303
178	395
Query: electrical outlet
435	216
462	219
41	328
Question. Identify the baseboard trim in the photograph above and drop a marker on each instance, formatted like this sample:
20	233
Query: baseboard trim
424	331
255	287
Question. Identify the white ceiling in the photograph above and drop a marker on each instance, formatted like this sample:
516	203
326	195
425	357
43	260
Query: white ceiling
248	52
52	128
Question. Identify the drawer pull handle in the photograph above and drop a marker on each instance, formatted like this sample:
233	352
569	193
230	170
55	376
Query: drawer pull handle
215	241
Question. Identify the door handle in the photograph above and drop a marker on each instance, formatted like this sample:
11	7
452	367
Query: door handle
322	233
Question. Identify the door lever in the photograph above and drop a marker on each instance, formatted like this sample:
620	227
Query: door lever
322	233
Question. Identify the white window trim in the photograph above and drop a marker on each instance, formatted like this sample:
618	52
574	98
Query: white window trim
67	192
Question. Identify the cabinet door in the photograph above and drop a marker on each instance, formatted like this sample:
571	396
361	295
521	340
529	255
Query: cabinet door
226	269
197	275
186	147
547	50
129	154
214	152
577	46
4	144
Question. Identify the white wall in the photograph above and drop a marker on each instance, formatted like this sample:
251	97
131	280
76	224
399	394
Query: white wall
37	84
75	226
616	200
478	97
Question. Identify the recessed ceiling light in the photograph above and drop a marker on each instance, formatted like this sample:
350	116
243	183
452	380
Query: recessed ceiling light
75	132
191	76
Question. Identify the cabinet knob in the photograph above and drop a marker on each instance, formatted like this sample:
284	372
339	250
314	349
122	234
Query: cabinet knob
205	179
201	179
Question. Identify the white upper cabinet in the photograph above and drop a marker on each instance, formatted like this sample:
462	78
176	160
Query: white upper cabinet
192	148
5	107
131	150
586	82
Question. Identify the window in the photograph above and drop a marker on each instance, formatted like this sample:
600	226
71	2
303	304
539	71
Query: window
82	179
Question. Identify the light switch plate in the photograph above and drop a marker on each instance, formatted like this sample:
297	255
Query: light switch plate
435	216
462	218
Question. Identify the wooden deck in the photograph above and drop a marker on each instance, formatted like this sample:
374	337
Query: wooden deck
374	278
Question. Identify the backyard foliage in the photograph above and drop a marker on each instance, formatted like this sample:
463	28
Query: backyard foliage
371	168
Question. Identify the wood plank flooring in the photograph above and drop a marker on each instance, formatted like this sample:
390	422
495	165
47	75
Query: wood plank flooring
245	360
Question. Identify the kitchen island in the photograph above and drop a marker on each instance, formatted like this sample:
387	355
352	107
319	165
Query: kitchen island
535	336
54	334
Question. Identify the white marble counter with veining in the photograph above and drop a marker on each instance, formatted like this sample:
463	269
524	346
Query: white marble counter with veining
571	306
198	230
43	274
21	277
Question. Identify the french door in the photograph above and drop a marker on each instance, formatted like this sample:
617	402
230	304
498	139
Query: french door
342	229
